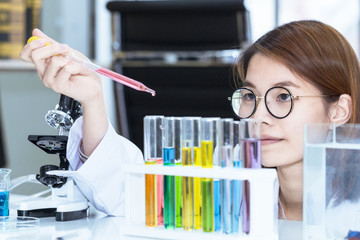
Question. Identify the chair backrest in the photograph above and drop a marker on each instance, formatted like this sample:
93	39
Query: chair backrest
184	50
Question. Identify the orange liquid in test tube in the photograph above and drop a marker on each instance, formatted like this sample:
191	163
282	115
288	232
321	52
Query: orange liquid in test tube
150	198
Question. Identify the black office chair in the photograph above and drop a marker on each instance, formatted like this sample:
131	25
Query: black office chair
184	50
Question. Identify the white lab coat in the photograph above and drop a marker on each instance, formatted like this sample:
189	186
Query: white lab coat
100	178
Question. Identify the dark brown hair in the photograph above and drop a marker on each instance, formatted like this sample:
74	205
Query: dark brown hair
317	53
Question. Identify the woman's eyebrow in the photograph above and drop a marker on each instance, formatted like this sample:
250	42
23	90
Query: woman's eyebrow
286	84
278	84
248	84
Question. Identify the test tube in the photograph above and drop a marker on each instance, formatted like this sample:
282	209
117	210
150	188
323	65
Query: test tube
197	180
237	185
178	179
152	149
251	145
169	160
217	181
159	180
226	159
187	140
209	141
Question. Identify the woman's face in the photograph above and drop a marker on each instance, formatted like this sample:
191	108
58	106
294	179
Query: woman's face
282	139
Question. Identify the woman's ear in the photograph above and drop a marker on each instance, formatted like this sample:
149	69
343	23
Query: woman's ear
341	110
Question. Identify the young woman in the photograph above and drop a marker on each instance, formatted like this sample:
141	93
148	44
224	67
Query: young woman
307	64
314	72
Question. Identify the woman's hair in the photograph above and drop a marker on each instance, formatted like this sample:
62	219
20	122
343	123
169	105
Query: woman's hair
323	57
317	53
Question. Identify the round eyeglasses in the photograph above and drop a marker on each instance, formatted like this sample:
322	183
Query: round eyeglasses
279	101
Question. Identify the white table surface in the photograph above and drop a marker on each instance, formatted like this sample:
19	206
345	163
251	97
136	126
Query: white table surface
99	226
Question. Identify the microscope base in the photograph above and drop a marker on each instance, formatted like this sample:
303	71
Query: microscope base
61	210
68	216
51	212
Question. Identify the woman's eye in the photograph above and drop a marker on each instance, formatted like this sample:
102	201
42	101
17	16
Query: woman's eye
284	97
249	97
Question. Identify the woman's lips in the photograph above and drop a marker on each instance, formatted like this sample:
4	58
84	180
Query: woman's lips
265	140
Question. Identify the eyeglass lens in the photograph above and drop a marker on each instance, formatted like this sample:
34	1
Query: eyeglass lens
278	102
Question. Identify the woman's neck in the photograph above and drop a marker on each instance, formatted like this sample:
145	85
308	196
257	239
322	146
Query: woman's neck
291	190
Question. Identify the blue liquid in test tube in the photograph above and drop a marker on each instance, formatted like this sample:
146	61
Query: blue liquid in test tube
217	204
226	159
237	185
217	185
169	181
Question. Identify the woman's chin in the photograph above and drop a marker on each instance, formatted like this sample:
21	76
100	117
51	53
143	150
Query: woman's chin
269	164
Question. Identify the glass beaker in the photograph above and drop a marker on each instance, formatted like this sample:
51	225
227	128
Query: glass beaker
4	191
331	207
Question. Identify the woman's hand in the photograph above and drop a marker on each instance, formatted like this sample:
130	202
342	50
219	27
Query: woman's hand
73	80
60	74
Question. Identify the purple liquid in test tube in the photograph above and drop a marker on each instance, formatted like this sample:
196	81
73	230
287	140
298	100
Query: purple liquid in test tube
251	145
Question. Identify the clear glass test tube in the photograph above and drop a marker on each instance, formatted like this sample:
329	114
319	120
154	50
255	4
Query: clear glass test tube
209	141
178	179
251	145
159	178
237	185
217	182
169	183
152	146
226	159
187	141
197	180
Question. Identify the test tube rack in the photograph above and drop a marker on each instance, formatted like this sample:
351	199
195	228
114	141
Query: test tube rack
263	207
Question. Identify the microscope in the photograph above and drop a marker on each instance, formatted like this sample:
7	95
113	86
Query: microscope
66	202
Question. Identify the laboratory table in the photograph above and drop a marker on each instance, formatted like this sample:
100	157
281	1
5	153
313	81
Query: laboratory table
99	226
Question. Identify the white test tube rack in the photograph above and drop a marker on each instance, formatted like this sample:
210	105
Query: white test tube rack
263	205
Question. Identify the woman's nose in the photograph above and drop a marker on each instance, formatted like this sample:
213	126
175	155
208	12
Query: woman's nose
261	111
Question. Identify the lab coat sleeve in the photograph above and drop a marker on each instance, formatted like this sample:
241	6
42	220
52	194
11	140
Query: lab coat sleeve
101	179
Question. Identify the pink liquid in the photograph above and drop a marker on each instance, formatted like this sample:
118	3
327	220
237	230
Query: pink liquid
252	159
124	80
160	196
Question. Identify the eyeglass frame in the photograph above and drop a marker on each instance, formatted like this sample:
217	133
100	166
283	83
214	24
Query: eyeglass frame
292	96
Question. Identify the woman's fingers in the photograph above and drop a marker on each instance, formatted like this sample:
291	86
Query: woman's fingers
26	52
43	40
40	57
37	32
55	64
62	76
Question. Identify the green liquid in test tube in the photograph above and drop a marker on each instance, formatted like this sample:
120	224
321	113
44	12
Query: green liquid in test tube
169	160
209	141
178	179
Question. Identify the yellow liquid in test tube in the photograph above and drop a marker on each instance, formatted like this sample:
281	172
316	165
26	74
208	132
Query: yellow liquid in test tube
188	192
197	190
207	149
